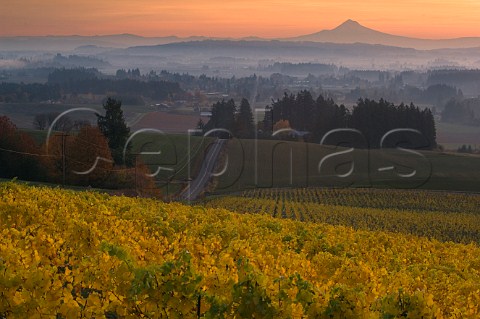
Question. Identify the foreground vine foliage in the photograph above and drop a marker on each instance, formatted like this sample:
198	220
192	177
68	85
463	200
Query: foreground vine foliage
66	254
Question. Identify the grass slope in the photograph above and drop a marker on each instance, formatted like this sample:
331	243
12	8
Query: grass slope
268	163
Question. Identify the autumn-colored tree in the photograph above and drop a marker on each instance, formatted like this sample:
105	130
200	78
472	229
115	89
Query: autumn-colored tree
134	181
278	128
90	158
280	125
19	154
86	157
88	162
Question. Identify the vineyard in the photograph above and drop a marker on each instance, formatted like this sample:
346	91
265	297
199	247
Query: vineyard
67	254
439	215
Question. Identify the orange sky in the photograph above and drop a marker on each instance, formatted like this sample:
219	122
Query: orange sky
236	18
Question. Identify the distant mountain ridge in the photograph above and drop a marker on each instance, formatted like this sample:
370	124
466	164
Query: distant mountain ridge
349	32
69	43
233	48
353	32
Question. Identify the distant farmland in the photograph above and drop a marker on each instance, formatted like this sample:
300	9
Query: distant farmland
168	122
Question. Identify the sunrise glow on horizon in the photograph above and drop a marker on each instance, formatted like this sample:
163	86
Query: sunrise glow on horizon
238	18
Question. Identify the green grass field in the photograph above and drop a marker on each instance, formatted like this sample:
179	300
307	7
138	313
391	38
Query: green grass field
267	164
273	164
453	136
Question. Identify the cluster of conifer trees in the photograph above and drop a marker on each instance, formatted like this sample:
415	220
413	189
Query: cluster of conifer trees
313	118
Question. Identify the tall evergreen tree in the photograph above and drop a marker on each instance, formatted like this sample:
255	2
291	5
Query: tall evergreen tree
327	116
244	127
283	109
303	117
115	129
223	116
268	119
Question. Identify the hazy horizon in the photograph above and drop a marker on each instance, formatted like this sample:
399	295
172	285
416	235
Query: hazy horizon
425	19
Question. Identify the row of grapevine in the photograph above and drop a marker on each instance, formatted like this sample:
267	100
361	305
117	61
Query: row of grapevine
444	226
66	254
375	198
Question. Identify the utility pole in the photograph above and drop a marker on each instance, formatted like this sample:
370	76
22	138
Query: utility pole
271	118
64	137
136	191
